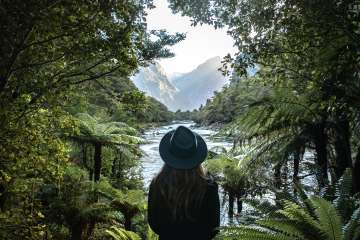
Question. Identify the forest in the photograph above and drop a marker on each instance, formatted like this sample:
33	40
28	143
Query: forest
71	119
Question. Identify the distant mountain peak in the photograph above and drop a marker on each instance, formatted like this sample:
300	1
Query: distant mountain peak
157	67
214	62
185	91
214	59
153	81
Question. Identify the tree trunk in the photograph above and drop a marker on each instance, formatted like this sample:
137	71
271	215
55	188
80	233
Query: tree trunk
277	176
320	140
284	175
90	229
239	204
84	160
76	231
296	168
342	147
127	223
114	166
97	162
2	196
231	205
91	174
298	156
277	181
356	173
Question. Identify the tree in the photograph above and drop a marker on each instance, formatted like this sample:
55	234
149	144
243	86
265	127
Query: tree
50	45
75	209
50	51
307	49
110	134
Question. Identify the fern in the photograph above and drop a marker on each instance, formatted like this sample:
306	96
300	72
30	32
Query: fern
151	235
253	233
293	211
286	227
352	229
344	201
264	207
122	234
108	133
319	220
328	218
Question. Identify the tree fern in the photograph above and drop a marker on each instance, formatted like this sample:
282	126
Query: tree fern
108	133
114	135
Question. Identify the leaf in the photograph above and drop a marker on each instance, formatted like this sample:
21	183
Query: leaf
328	218
122	234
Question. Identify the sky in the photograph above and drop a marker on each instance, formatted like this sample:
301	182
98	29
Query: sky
201	43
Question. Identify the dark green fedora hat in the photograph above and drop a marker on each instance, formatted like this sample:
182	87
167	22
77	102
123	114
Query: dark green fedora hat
182	148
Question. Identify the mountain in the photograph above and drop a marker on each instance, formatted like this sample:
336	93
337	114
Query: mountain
185	91
153	81
198	85
173	76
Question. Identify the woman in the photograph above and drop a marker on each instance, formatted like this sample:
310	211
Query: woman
183	202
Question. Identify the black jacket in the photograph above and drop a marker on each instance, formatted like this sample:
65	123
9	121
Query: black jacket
204	228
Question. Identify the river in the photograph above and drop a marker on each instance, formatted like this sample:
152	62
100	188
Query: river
151	160
152	163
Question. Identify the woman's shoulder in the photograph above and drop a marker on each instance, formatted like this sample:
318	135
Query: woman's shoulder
152	185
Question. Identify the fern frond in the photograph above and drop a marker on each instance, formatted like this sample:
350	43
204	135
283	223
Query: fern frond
344	202
284	226
264	207
328	217
294	212
352	229
344	185
252	233
122	234
151	235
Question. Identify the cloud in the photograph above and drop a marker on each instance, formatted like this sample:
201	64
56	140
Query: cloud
201	43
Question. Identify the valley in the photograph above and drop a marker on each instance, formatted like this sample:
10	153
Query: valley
185	91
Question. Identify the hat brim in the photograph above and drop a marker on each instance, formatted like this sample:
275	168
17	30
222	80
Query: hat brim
182	162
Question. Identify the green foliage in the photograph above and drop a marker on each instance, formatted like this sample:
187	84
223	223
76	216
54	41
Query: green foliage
116	98
295	221
61	57
122	234
34	155
108	134
155	111
230	171
66	206
301	99
296	119
96	203
151	235
303	217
